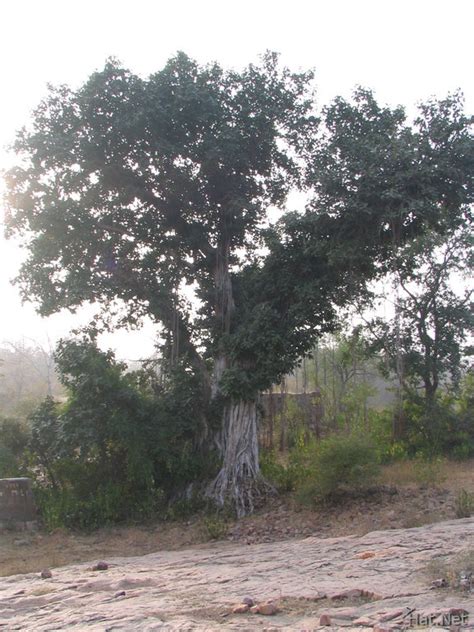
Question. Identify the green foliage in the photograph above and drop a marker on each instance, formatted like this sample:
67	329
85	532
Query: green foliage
215	526
464	504
130	187
438	427
154	181
380	433
429	470
372	164
281	476
184	507
430	334
179	457
340	464
45	438
119	448
8	463
108	503
14	439
14	435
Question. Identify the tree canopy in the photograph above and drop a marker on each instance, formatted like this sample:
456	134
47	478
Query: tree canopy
130	187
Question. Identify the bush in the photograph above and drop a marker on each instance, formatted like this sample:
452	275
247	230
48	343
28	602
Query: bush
340	465
122	445
215	527
429	470
464	504
281	476
109	504
14	438
444	427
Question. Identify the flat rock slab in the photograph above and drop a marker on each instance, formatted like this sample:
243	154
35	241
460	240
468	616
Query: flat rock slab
367	582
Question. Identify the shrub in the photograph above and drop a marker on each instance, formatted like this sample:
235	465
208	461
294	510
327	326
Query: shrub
442	427
14	438
109	504
121	446
281	476
341	464
429	470
457	571
464	504
216	527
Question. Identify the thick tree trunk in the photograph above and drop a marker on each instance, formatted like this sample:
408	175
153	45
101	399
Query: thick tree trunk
239	483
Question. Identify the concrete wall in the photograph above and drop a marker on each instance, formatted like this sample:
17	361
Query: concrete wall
17	505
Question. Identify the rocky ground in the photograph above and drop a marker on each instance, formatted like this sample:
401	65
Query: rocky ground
379	581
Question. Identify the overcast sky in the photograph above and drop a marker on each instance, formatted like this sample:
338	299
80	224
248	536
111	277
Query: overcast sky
404	50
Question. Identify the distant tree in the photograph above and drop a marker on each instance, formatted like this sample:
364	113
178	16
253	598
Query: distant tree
434	321
27	375
136	189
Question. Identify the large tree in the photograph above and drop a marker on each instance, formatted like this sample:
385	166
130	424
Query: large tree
136	188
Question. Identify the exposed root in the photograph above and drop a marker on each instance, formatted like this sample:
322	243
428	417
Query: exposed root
241	492
239	483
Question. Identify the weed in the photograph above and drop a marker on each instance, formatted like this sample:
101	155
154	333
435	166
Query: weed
216	527
464	504
429	472
458	572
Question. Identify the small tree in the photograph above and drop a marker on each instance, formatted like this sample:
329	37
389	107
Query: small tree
45	438
435	321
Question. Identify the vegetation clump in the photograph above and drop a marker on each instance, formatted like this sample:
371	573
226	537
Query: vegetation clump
340	465
464	504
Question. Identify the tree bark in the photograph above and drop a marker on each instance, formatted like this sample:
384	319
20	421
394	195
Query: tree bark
239	482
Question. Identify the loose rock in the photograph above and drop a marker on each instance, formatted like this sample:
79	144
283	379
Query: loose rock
353	593
249	601
46	574
240	608
325	619
267	609
100	566
439	583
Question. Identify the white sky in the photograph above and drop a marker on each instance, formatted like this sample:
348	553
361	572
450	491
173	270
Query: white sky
404	50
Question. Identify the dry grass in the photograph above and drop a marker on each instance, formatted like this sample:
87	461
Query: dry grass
452	570
464	504
451	474
42	590
26	553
